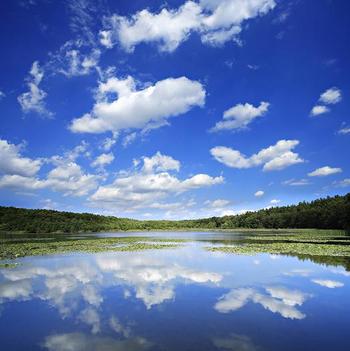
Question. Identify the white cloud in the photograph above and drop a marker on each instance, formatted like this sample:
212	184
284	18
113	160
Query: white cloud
66	176
103	160
168	28
129	138
235	342
239	116
34	99
118	327
84	342
159	162
13	163
15	181
345	130
278	300
139	109
259	193
331	284
324	171
2	95
70	179
90	317
216	22
151	278
331	96
218	203
107	144
319	110
151	183
296	182
74	63
342	183
15	290
275	201
275	157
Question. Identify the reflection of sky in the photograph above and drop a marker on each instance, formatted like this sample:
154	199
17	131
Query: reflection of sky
110	301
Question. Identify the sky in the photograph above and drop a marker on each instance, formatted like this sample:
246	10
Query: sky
176	109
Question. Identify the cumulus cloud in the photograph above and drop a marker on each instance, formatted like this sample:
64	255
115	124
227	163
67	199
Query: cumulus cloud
329	97
103	160
277	300
139	109
239	116
331	284
71	180
216	22
34	99
259	193
159	162
324	171
151	181
152	279
275	157
13	163
66	176
319	110
275	201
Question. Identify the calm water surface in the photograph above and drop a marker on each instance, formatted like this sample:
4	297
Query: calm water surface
174	299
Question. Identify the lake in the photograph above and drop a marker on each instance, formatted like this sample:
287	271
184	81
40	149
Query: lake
176	298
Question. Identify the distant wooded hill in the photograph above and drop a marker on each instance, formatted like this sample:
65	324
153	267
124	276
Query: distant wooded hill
327	213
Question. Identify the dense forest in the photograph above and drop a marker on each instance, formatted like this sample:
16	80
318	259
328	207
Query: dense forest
327	213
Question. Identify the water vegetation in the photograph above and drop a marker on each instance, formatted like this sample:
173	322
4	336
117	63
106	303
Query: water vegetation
300	243
13	248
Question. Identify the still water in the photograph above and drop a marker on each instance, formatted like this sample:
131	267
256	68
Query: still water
174	299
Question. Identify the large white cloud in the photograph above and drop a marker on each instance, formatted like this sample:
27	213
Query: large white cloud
66	176
275	157
149	184
239	116
216	22
138	109
168	28
13	163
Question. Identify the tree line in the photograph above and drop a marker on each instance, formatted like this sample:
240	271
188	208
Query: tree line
326	213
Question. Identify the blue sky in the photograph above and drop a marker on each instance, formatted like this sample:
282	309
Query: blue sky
178	109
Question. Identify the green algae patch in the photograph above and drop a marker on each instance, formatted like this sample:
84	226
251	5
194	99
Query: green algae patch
8	265
15	249
308	249
309	243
